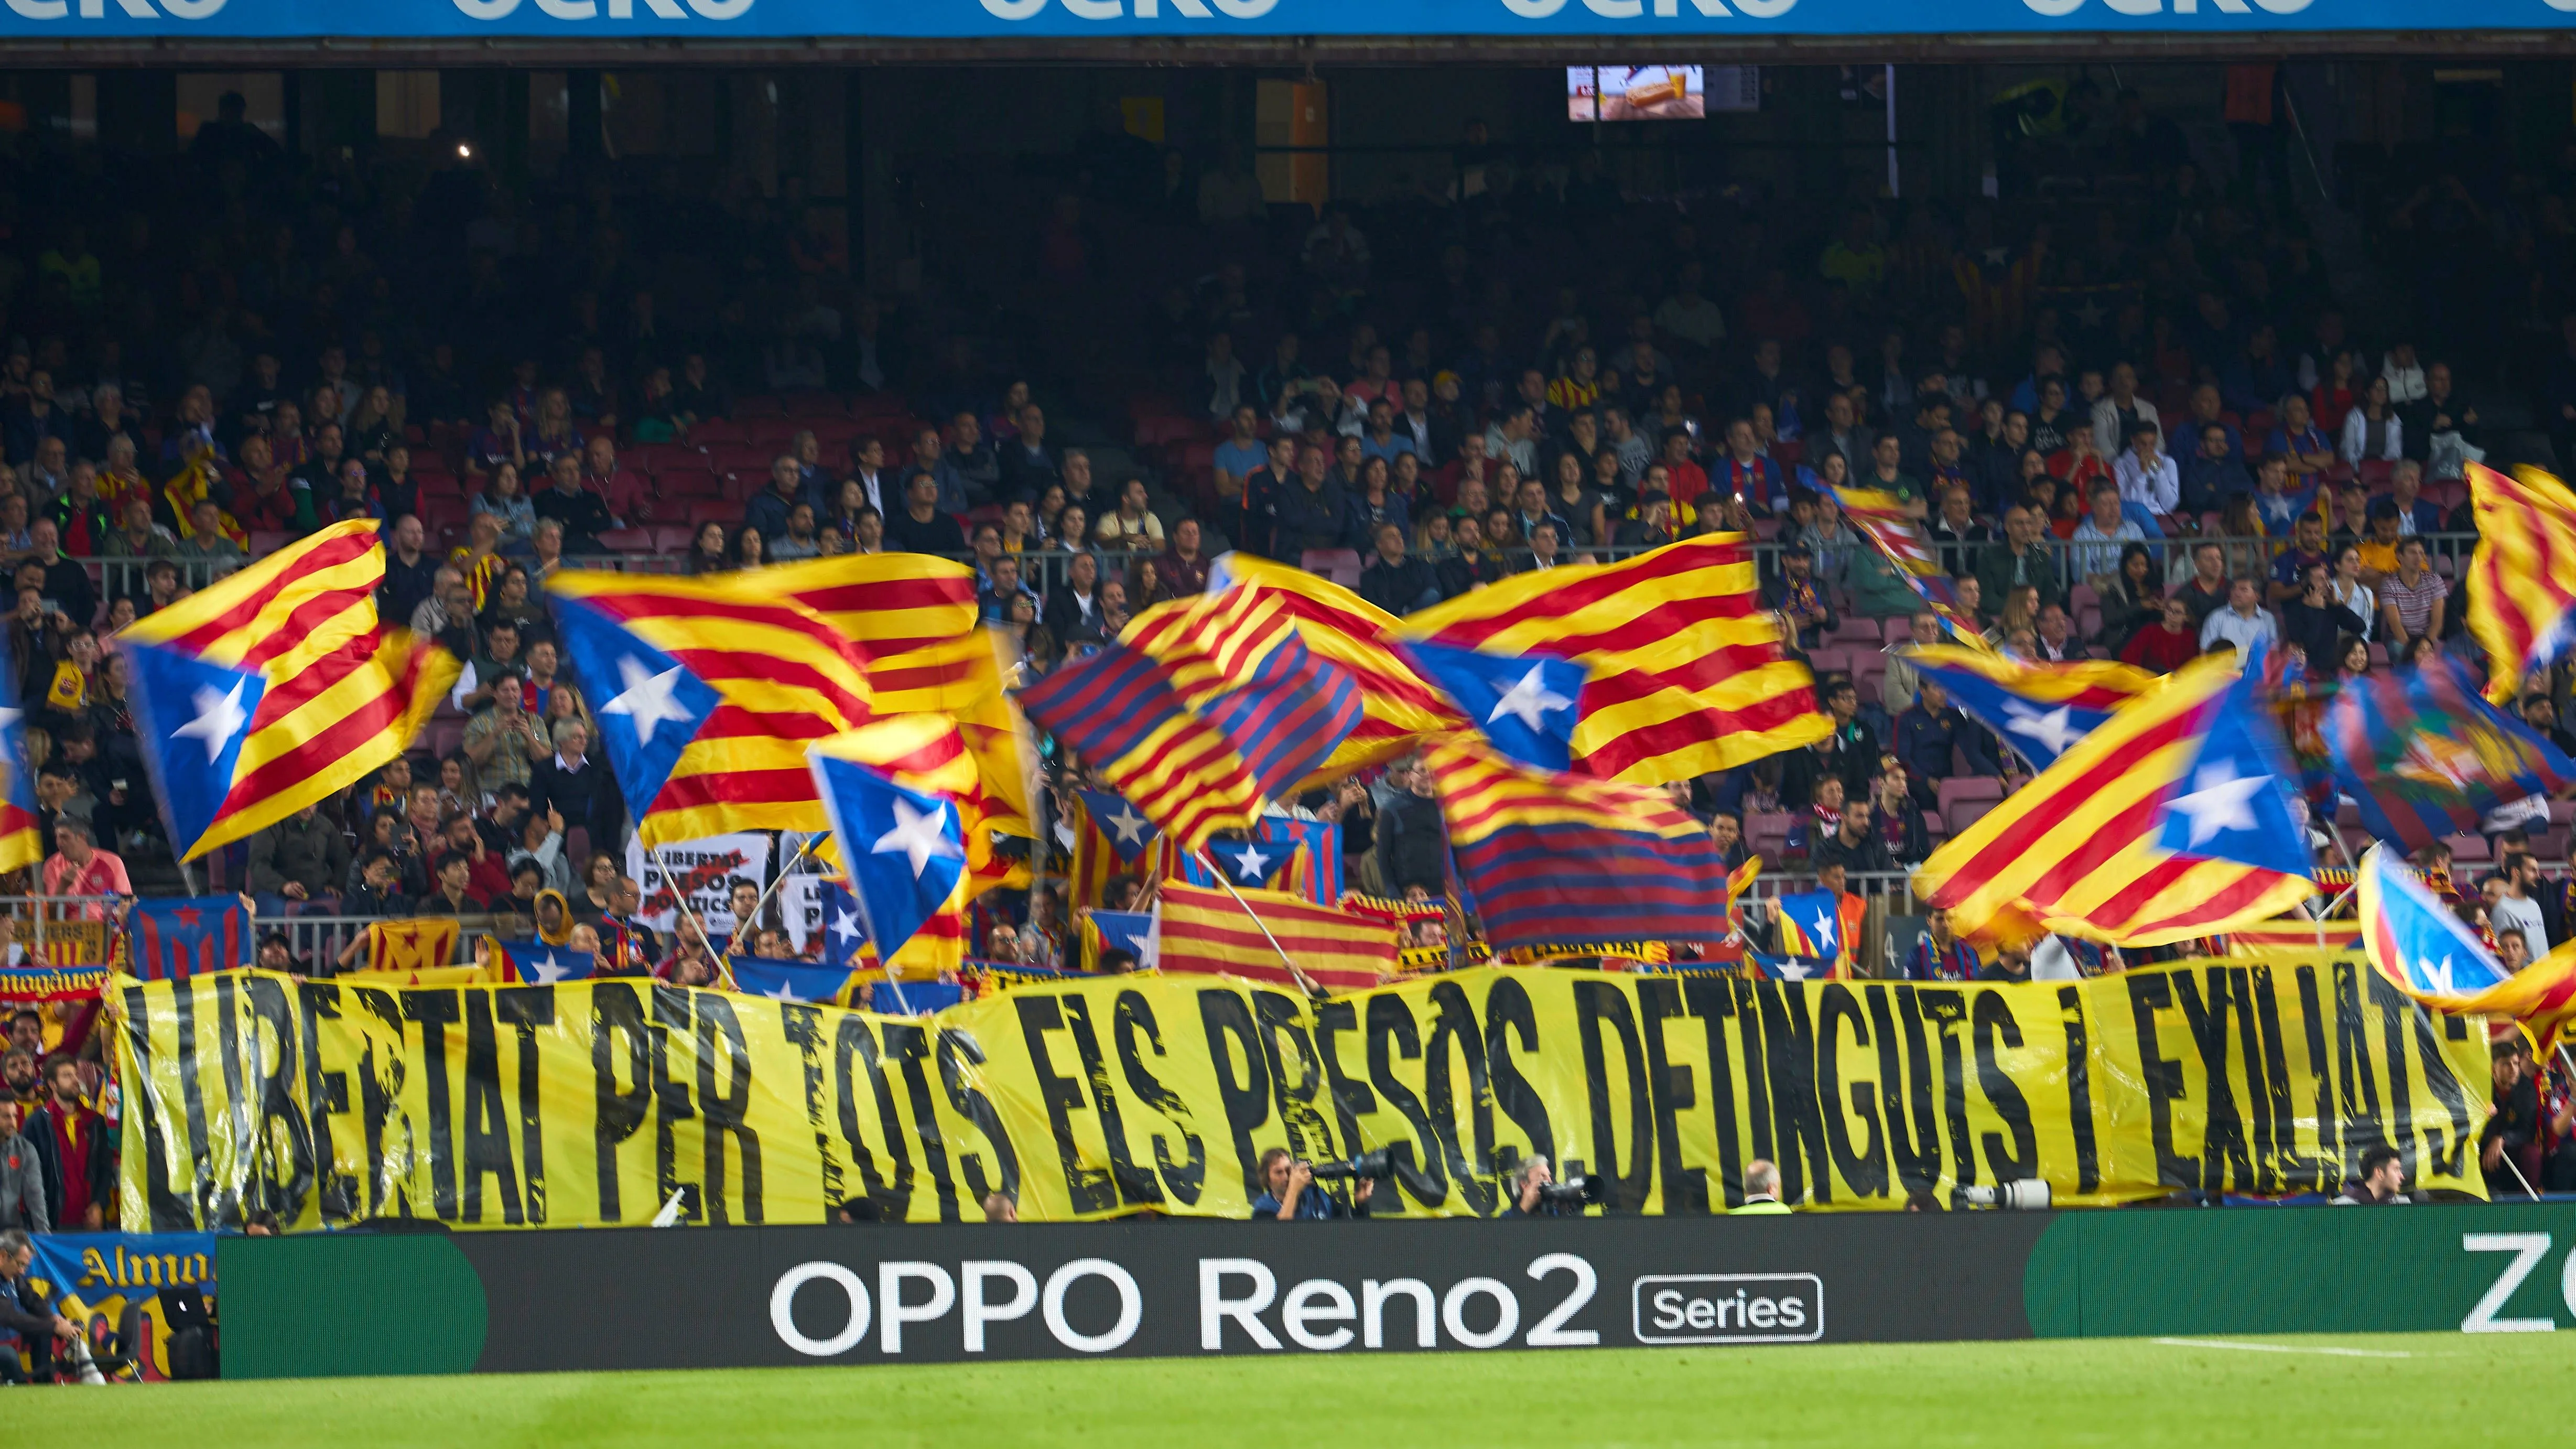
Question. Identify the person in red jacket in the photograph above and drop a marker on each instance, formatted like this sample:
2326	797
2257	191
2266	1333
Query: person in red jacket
2169	645
72	1146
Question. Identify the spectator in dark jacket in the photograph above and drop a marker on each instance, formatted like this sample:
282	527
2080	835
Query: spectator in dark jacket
24	1204
28	1313
301	858
1411	842
578	787
582	513
1394	582
2214	472
1927	733
1472	567
1310	509
72	1144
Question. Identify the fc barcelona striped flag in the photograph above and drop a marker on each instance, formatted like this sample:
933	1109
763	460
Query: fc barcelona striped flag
1895	533
174	939
1212	706
1207	932
1301	857
1397	705
276	688
1555	858
2423	756
1687	675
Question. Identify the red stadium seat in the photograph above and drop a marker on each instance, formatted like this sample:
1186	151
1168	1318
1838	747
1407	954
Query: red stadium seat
626	540
2468	848
714	510
1858	631
1341	565
717	432
1967	788
1829	661
1896	631
672	538
1766	835
1968	812
687	483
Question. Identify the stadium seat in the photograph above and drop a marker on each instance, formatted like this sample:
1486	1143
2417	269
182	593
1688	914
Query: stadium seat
1966	788
1859	631
2375	473
672	538
1341	565
1829	661
1766	835
718	432
626	540
757	405
1967	813
714	510
2468	848
2562	812
687	483
1895	631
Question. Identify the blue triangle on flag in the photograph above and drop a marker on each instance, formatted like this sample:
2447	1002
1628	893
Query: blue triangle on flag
1125	827
801	981
649	706
539	964
2232	801
903	851
1527	704
196	715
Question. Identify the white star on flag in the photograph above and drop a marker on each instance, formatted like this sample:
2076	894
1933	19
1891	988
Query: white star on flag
1824	927
1127	825
1252	861
2053	731
1793	970
647	698
548	971
785	992
846	924
1530	701
2220	801
2437	979
919	836
219	718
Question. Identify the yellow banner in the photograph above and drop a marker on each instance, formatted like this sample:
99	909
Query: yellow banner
599	1102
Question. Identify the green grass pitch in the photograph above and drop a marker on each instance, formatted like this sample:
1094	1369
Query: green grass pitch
2425	1389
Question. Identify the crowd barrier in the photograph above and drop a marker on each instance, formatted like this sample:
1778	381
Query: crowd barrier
788	1296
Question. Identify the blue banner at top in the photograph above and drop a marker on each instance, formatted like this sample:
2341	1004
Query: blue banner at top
1622	21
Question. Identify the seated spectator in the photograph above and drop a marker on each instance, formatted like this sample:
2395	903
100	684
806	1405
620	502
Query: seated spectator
921	527
2313	621
2101	537
1182	567
1073	613
1131	527
580	512
1796	597
2243	623
2018	560
2215	471
2304	448
379	894
453	893
2145	475
299	860
1855	844
2205	592
2412	601
568	783
1395	582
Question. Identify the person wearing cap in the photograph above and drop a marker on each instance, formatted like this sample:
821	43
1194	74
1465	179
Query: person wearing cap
79	868
1796	597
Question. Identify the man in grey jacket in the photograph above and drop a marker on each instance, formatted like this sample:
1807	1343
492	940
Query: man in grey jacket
22	1179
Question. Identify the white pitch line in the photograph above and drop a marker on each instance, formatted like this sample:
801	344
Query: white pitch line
2283	1348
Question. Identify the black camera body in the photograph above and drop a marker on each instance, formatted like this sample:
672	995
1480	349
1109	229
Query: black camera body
1573	1195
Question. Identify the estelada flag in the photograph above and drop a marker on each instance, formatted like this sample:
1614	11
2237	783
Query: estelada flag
174	939
2079	850
2429	953
277	688
1206	932
21	841
536	963
2522	579
1687	673
414	945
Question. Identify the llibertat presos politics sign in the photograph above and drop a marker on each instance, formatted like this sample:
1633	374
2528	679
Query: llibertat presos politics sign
883	1293
1633	21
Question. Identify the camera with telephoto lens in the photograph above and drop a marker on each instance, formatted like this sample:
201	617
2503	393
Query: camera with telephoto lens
1574	1194
1378	1164
2028	1195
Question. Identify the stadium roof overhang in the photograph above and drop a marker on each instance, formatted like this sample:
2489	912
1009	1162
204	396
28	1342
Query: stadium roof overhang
471	33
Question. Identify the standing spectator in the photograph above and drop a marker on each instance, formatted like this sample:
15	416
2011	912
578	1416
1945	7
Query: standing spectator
25	1205
570	784
72	1142
79	868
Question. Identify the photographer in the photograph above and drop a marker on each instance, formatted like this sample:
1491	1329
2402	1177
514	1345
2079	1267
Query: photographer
1292	1195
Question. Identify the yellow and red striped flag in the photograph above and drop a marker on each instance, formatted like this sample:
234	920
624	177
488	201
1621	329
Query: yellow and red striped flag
1397	705
277	687
2074	851
2293	933
1206	932
926	754
420	944
912	618
1687	673
2522	580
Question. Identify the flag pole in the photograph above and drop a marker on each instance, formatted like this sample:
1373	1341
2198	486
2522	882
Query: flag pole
680	898
779	878
1228	882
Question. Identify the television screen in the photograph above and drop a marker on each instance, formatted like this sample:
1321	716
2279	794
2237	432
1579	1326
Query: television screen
1635	93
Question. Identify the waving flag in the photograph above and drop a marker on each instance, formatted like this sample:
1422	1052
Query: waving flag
1397	706
1822	927
2076	851
844	938
172	940
707	691
1107	931
1302	857
276	688
2239	805
2428	952
2424	756
1110	837
535	963
1126	832
801	981
903	852
928	754
1687	676
1882	519
1790	968
2039	709
2522	579
420	944
1208	931
1554	858
1209	707
1526	704
2294	933
22	842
